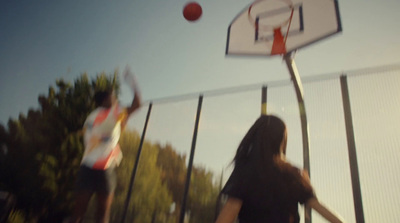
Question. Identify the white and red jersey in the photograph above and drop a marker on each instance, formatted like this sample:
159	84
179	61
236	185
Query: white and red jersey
102	132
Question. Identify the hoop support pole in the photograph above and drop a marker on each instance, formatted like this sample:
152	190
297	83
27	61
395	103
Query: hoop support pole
294	74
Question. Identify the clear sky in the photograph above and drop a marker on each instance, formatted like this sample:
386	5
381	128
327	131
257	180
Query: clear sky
41	41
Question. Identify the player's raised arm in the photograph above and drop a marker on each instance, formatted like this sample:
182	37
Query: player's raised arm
136	102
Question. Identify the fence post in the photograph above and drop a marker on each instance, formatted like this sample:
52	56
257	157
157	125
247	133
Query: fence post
190	165
132	180
355	178
264	100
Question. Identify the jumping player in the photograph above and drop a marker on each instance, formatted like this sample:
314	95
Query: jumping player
97	174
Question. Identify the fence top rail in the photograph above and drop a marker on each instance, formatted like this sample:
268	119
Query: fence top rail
272	84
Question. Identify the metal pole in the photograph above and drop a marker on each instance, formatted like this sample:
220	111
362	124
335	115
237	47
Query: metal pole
294	74
355	178
264	100
128	197
190	165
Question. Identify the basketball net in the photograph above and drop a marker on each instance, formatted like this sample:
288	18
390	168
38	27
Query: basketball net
279	44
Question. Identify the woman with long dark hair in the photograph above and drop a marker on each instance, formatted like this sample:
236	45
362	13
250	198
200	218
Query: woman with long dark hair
264	187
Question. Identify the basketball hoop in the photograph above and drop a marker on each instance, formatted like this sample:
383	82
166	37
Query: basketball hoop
285	12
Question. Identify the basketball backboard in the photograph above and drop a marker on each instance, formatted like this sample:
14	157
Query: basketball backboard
278	27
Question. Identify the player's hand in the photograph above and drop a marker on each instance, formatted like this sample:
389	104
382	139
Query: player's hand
131	80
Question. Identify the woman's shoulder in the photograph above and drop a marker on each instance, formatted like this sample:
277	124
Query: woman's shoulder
298	180
285	167
291	172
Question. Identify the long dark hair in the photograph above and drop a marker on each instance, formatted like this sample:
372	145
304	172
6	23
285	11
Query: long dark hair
262	143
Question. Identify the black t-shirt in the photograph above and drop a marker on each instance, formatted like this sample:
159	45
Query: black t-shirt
270	196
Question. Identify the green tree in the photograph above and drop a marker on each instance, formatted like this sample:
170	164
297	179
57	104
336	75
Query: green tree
203	195
150	196
41	152
203	192
173	174
45	147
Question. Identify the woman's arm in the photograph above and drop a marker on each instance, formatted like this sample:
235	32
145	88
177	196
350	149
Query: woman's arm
323	211
230	211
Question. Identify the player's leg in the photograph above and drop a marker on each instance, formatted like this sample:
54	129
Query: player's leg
105	194
84	189
104	207
81	203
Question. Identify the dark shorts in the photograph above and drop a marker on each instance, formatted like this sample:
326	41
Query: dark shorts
100	181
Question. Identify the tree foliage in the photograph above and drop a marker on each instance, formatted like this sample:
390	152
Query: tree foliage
44	148
41	153
150	196
203	195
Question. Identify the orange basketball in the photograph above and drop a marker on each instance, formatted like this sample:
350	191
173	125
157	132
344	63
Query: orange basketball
192	11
